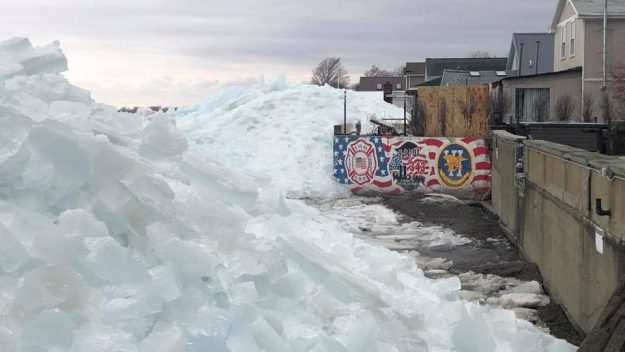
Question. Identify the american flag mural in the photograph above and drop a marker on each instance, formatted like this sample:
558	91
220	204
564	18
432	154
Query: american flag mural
395	165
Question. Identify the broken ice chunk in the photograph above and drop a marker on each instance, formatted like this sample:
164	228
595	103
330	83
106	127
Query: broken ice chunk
70	111
162	137
15	128
165	281
47	59
529	287
12	253
112	262
192	259
79	223
50	330
57	162
525	300
7	340
242	293
57	286
164	339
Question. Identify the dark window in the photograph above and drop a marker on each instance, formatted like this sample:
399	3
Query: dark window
532	104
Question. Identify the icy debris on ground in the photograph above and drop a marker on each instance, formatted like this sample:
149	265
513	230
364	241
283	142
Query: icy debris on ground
523	300
389	228
440	198
118	242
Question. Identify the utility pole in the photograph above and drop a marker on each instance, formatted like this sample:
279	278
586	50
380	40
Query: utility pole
405	129
345	112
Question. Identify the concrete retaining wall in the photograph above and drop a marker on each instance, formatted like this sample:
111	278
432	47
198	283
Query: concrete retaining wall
551	210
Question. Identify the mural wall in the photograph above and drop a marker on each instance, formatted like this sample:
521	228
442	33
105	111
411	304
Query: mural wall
395	165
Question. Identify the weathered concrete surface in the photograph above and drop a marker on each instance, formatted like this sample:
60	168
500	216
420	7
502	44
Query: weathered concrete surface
505	200
609	333
555	220
489	253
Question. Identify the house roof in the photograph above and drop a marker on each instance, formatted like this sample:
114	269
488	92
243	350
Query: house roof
370	83
470	78
574	69
437	66
532	51
431	83
589	8
415	68
595	7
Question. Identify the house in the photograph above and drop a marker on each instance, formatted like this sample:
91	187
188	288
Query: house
435	67
579	75
392	89
578	29
534	98
414	74
530	53
470	78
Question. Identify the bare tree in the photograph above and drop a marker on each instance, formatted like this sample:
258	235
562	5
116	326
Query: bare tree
481	54
468	107
499	105
376	71
330	71
564	108
418	112
541	108
399	71
606	107
442	115
589	108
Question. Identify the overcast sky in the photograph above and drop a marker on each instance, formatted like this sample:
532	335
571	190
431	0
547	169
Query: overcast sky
143	52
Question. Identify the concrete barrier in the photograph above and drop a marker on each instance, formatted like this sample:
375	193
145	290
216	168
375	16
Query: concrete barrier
551	209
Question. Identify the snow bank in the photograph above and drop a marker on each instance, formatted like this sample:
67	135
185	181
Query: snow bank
120	235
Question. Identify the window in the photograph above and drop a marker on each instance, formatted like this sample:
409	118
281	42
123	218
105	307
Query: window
563	42
502	73
378	86
398	86
572	45
474	74
532	104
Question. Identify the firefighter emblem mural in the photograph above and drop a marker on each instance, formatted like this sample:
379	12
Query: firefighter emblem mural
361	162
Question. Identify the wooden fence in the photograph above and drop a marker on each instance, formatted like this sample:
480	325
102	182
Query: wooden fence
459	111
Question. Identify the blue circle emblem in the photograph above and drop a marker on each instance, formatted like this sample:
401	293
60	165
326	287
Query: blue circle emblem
454	165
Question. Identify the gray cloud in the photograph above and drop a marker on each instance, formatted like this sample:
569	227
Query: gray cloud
218	40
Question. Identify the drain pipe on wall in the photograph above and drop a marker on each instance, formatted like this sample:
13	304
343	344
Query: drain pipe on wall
605	45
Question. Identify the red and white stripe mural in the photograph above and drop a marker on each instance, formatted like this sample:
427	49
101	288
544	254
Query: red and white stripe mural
395	165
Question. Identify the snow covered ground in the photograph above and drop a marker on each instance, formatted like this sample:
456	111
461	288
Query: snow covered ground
170	233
